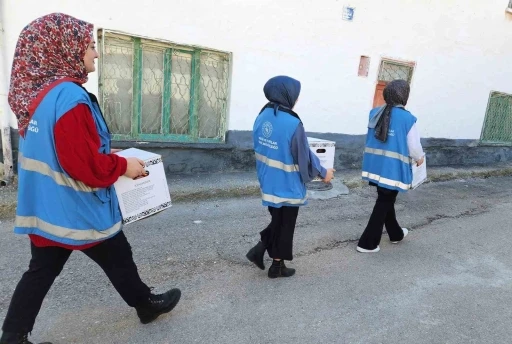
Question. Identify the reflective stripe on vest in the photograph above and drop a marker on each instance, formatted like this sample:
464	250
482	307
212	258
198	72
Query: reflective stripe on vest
68	233
277	200
385	181
276	164
388	154
33	165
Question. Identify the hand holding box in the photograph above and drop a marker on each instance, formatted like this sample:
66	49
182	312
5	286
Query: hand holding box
145	195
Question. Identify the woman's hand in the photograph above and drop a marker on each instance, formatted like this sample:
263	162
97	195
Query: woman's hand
134	168
329	175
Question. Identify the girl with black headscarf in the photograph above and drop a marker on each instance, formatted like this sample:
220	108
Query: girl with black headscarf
392	146
284	164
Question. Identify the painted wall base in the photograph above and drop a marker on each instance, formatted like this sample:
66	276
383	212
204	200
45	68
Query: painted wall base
237	154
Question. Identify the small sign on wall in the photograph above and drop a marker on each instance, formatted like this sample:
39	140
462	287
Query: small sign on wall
348	13
364	66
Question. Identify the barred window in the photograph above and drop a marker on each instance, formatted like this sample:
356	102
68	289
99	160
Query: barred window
392	70
498	119
159	91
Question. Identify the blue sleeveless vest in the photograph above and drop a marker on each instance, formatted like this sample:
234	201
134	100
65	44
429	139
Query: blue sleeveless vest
278	174
51	204
388	164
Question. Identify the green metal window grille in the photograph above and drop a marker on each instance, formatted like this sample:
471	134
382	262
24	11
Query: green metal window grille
164	92
497	127
390	70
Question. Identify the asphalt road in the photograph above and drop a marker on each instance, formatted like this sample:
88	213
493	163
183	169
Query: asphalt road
450	281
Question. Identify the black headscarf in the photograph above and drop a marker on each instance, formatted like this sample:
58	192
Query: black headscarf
282	92
396	93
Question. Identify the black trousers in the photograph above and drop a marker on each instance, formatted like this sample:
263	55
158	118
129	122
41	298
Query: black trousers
383	214
114	256
278	236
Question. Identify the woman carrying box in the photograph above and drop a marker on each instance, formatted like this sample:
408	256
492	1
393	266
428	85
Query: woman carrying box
284	163
66	200
392	141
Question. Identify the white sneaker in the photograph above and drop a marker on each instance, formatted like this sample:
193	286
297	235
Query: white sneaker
406	231
362	250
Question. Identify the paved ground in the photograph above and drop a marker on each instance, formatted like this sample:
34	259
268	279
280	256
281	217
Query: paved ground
449	282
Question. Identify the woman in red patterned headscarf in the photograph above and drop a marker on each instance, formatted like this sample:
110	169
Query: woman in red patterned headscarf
50	50
66	200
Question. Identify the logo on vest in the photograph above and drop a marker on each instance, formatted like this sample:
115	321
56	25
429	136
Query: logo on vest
33	126
267	129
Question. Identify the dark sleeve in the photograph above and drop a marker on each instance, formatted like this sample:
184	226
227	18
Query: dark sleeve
309	164
77	143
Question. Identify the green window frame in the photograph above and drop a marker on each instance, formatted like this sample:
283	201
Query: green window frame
497	128
159	91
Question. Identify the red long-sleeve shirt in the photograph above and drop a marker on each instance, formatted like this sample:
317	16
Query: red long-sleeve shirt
77	143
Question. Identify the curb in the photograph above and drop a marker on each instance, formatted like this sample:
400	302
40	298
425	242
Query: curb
351	183
235	192
442	176
8	209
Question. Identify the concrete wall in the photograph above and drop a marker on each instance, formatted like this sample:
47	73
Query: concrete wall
237	154
461	49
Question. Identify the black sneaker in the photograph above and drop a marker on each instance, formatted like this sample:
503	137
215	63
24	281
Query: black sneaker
16	338
256	255
278	269
158	305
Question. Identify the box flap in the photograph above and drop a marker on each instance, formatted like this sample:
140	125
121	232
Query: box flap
314	139
138	153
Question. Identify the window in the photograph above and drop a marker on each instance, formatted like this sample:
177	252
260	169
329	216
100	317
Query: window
394	70
390	70
159	91
498	119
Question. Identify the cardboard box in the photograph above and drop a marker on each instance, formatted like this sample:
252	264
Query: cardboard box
324	150
143	196
419	174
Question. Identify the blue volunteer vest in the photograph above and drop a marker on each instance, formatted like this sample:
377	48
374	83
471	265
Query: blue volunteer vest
278	173
388	164
51	204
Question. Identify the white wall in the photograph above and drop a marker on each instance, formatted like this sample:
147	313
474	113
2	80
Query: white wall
461	47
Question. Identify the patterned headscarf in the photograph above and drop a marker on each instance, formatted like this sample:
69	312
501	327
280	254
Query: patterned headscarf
50	50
